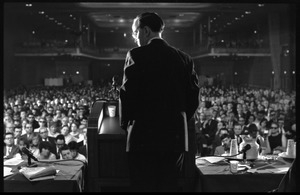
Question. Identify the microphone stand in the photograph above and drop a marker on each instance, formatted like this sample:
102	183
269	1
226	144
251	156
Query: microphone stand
29	164
245	162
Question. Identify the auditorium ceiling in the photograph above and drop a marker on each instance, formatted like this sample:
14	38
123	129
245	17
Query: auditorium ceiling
117	16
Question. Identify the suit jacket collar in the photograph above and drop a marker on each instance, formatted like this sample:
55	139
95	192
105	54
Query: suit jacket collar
156	40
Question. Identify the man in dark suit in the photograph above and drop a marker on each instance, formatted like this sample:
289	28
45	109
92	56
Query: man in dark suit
158	96
10	149
44	135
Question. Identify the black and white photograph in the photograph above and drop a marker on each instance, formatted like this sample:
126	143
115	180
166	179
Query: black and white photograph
149	96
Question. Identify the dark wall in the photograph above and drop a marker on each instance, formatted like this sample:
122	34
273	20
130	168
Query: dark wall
253	71
104	70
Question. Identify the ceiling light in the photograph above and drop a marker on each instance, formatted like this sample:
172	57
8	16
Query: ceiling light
28	5
247	12
261	5
41	12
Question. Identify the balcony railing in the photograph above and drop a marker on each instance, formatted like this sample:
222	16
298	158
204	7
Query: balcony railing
120	53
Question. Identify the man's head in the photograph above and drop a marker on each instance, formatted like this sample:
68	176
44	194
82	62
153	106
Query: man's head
146	26
73	148
237	129
9	139
66	153
45	148
43	132
225	140
60	141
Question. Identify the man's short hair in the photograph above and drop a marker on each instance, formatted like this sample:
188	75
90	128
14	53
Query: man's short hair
65	147
73	145
60	136
152	20
45	145
225	135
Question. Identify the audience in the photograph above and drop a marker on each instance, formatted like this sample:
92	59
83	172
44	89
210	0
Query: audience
70	105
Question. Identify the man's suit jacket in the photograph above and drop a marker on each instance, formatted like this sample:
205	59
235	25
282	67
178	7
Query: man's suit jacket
159	94
13	152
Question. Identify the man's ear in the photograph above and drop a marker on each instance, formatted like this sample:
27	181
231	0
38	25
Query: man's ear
147	31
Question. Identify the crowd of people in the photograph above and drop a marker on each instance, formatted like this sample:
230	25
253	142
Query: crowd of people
266	116
52	121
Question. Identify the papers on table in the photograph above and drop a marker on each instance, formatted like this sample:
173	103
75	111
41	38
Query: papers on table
13	161
275	170
7	171
212	159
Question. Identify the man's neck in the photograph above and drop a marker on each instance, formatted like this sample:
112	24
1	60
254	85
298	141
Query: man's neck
155	37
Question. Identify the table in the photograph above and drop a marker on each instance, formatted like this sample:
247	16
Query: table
69	178
216	177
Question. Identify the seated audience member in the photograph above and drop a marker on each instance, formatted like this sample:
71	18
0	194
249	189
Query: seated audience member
65	131
34	144
43	124
75	131
276	140
17	134
237	133
44	135
291	132
29	132
73	146
10	149
217	140
224	148
59	143
45	151
22	142
9	127
82	147
53	130
66	153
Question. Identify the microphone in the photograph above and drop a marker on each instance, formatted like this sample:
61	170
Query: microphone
245	148
29	153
